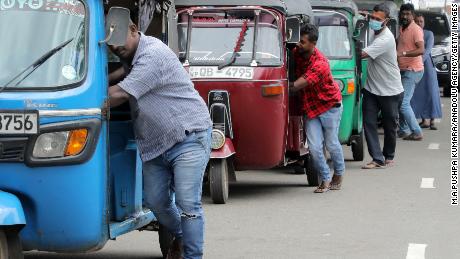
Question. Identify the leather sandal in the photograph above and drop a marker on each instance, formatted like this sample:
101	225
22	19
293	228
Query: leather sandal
373	165
336	183
323	187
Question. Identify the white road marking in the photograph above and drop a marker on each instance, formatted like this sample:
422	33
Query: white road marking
433	146
437	120
416	251
427	183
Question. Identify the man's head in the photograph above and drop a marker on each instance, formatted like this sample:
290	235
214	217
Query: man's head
128	51
379	17
308	38
406	14
420	20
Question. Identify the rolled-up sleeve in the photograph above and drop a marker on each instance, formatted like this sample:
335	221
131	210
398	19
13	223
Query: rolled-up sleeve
143	77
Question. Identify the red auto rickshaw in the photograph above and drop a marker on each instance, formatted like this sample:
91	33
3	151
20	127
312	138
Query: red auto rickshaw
237	54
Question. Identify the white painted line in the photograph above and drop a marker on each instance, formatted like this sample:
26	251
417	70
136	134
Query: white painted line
437	120
433	146
416	251
427	183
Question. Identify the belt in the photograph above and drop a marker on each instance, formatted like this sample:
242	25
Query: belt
337	105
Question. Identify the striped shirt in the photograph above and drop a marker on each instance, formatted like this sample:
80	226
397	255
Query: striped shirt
164	102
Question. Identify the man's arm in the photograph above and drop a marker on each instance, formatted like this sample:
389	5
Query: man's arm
311	77
116	76
364	54
298	85
416	52
117	96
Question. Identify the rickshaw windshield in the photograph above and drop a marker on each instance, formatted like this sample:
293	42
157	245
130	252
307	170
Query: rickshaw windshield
214	38
30	31
333	25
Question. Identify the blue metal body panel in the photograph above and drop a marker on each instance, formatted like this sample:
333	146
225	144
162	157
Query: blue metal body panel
77	208
11	212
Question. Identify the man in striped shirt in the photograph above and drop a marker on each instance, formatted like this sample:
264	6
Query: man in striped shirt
173	130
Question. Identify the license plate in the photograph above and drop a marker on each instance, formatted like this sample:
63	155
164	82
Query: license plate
18	123
228	72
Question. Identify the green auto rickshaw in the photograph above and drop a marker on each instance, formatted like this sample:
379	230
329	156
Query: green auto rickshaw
340	39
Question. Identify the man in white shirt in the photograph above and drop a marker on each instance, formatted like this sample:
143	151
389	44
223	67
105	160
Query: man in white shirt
383	91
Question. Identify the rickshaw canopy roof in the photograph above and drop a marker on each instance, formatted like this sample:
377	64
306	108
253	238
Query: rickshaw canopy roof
368	5
346	5
289	7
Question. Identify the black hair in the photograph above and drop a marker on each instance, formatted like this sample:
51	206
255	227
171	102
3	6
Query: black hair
407	7
419	15
382	8
311	31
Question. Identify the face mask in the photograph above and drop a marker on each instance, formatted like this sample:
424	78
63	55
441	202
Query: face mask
375	25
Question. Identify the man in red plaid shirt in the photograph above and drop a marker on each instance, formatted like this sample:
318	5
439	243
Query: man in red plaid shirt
322	105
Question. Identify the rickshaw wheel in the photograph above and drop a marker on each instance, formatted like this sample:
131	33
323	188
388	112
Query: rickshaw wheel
357	148
165	240
218	180
10	245
312	172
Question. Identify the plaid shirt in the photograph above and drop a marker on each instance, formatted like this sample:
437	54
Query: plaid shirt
322	92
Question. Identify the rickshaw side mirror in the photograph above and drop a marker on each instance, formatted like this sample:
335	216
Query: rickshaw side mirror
117	26
292	30
360	24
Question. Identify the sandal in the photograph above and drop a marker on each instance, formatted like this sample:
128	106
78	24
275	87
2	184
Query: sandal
432	127
336	183
322	188
373	165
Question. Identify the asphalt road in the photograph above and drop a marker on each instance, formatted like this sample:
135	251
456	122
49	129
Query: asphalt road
377	214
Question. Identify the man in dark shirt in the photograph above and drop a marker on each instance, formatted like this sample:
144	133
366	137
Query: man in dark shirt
322	105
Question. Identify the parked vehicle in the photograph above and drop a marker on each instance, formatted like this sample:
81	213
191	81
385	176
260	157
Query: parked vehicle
339	40
70	179
237	54
439	24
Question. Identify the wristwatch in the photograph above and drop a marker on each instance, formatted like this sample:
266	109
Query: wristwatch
404	53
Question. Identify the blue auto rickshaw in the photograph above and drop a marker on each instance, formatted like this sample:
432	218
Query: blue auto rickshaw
70	173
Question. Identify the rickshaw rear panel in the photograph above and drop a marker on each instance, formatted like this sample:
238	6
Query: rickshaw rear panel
251	130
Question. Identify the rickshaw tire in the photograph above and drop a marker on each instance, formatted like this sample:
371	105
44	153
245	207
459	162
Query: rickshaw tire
312	172
10	245
357	148
165	239
218	180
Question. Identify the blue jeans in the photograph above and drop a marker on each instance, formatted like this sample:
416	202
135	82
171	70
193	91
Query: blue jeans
180	171
321	130
407	122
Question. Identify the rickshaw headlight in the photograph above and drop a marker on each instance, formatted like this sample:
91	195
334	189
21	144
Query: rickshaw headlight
217	139
60	144
340	84
51	145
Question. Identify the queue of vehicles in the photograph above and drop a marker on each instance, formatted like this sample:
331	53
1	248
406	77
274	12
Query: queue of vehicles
71	176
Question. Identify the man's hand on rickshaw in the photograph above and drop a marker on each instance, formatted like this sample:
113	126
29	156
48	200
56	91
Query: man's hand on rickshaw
298	85
117	96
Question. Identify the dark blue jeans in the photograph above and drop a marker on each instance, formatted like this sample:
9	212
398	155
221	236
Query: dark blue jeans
180	170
